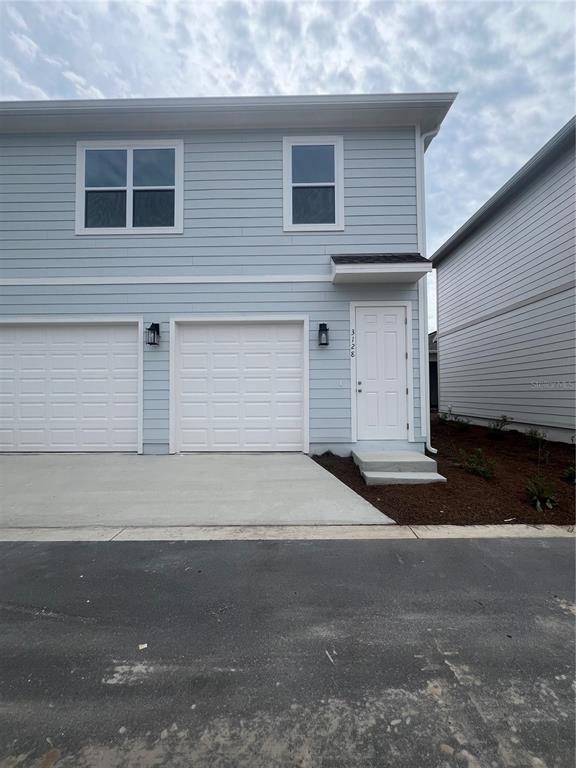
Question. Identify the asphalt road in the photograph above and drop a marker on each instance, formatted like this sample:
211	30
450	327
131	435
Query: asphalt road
330	654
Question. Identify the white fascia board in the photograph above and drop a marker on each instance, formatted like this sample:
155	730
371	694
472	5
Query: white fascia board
397	273
283	112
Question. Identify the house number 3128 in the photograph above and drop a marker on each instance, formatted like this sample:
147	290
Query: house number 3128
352	343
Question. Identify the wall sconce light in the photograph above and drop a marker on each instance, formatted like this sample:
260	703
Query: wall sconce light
323	339
153	334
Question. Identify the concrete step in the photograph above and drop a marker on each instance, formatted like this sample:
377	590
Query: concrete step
393	461
401	478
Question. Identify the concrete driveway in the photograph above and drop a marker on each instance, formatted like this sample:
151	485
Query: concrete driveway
79	490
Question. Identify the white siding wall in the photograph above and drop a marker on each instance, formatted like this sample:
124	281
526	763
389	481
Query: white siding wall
233	226
506	309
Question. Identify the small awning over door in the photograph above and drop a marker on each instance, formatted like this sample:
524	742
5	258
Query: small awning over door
379	268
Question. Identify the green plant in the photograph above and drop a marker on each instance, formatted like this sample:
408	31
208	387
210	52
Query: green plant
570	473
476	463
454	420
541	492
498	427
535	437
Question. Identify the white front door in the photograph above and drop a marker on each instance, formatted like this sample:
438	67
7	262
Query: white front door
381	397
239	386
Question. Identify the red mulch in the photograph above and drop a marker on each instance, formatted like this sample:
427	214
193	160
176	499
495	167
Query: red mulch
467	499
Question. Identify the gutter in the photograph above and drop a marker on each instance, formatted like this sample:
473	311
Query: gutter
423	294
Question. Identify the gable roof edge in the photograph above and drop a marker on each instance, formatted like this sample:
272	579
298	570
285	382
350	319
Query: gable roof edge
553	148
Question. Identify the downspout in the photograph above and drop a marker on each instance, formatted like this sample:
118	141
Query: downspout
423	289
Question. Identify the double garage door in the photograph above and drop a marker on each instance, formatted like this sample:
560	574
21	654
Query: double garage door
237	386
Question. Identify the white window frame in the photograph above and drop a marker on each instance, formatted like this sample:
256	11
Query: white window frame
338	144
176	144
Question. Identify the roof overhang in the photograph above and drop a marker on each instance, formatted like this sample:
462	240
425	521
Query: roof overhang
285	112
388	268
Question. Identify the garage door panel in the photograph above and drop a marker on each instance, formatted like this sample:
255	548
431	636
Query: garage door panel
225	360
243	387
257	386
7	411
71	387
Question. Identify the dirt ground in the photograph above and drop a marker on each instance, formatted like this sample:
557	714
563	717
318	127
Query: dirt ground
467	499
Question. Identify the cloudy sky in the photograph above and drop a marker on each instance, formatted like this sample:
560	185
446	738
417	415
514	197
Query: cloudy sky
511	62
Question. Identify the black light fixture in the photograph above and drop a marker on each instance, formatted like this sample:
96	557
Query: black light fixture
153	334
323	339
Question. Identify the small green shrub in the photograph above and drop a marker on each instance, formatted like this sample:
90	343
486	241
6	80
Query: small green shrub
454	420
476	463
541	492
498	427
535	437
570	473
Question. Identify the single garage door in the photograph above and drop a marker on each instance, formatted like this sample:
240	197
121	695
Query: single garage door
239	386
69	387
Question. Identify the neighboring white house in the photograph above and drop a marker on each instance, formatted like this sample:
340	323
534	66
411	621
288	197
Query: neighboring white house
507	304
215	274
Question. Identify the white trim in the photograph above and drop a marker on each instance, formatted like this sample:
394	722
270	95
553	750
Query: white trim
287	143
407	305
420	215
73	320
176	144
187	319
422	284
346	273
141	343
424	356
103	320
166	279
426	428
172	387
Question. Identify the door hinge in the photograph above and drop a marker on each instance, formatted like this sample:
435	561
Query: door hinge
405	321
407	426
406	355
406	390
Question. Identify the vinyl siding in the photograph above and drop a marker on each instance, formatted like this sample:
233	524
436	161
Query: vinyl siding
232	209
330	387
506	309
232	226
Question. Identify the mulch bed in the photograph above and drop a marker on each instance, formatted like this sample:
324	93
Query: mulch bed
467	499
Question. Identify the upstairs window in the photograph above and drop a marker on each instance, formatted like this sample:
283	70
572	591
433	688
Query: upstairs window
131	188
313	184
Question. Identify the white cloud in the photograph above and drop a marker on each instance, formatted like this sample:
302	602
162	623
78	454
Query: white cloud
15	86
24	44
83	89
15	18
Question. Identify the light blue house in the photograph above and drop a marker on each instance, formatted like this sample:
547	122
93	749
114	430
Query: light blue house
215	274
